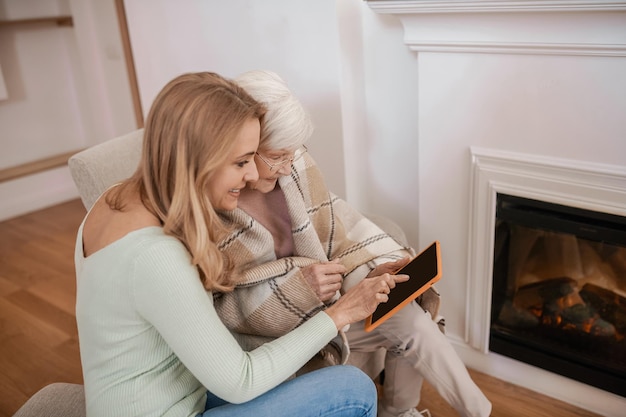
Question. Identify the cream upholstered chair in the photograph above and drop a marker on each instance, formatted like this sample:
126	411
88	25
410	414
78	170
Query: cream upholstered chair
59	399
97	168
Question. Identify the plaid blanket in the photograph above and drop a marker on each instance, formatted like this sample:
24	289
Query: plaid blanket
272	296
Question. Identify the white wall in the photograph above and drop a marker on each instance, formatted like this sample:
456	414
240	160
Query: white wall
328	51
318	47
390	169
297	39
66	87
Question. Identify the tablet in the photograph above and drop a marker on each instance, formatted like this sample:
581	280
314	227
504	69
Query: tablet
424	270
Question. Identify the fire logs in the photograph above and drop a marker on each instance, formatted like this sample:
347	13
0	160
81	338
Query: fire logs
558	303
609	305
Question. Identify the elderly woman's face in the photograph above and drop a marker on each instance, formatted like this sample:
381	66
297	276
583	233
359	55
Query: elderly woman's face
271	166
238	169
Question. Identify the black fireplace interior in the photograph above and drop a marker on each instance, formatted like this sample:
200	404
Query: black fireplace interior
559	290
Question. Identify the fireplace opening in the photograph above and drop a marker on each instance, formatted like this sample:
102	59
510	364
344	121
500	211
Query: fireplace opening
559	290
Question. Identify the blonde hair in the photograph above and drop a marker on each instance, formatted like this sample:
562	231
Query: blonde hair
189	133
287	124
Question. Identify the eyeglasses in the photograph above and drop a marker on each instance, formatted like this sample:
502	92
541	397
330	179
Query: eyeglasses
296	155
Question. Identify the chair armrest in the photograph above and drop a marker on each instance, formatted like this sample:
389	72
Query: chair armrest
58	399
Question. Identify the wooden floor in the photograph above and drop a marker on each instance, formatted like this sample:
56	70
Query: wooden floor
38	337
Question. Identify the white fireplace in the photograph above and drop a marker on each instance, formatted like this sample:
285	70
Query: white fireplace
596	187
527	97
600	188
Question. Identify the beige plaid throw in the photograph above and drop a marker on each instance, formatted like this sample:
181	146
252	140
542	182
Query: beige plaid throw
272	296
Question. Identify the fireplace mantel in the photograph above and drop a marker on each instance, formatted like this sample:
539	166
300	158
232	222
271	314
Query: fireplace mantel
482	6
546	27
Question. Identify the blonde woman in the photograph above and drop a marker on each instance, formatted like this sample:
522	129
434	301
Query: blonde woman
151	343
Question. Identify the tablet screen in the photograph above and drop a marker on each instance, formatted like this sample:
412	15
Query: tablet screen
424	270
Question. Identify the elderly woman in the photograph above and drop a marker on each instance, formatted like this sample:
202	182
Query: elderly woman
297	246
151	343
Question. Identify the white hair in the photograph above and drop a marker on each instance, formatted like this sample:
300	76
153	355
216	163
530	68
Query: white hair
287	124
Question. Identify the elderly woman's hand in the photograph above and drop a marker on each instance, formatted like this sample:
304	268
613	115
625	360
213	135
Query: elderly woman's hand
362	299
389	267
324	278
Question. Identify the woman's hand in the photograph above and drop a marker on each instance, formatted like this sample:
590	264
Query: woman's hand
389	267
362	299
324	278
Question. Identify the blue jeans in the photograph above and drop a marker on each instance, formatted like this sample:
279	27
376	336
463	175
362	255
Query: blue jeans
334	391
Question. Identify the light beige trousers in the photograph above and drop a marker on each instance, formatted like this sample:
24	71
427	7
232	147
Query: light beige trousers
416	350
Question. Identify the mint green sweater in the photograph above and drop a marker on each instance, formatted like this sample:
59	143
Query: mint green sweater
151	343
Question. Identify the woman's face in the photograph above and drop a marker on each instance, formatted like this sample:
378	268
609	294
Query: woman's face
271	166
237	170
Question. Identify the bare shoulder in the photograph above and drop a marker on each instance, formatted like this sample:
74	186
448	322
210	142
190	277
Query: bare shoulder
105	225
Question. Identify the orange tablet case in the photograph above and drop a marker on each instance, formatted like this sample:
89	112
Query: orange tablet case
424	270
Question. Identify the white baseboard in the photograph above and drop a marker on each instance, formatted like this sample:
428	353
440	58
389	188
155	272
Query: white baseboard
36	192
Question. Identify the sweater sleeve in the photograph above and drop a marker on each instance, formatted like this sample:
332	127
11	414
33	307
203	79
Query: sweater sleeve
168	294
